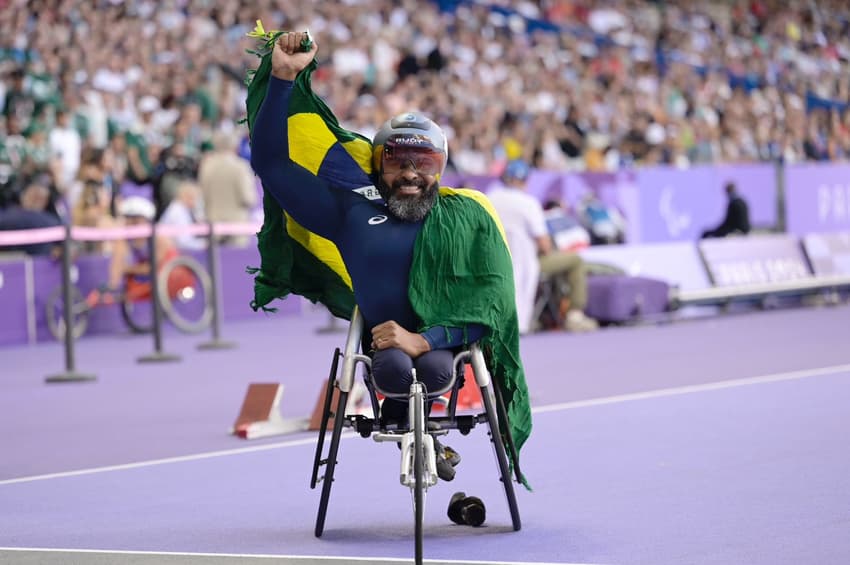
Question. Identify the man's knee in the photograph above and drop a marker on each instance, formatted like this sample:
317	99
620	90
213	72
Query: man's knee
392	370
435	368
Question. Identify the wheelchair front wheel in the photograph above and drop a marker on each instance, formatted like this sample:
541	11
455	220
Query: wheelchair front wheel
137	315
55	311
418	469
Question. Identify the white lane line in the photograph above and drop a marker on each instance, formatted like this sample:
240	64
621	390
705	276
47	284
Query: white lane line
659	393
167	460
272	556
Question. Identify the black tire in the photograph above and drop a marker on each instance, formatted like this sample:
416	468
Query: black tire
55	315
330	465
137	323
489	399
326	412
202	284
418	471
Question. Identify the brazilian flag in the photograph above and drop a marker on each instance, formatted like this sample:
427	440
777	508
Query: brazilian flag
461	272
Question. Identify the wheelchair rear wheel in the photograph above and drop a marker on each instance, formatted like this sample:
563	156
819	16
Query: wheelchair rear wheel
330	464
185	290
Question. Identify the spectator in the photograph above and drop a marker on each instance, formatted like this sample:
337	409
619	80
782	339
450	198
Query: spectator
66	145
185	210
567	233
737	219
31	213
533	255
91	209
227	184
604	223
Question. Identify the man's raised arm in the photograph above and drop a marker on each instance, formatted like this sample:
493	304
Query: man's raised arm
304	196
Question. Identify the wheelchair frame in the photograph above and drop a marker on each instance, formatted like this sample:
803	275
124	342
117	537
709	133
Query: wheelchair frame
415	436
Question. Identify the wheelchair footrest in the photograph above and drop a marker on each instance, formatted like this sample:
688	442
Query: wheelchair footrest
462	423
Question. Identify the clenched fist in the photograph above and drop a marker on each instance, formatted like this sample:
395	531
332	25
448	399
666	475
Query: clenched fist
287	57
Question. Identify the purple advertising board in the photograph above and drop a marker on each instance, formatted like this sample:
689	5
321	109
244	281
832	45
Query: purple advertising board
829	253
754	260
659	204
16	325
817	198
679	204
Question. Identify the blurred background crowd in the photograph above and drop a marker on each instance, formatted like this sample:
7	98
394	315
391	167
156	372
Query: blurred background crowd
105	98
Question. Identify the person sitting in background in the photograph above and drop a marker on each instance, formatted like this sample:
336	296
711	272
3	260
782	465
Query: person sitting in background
130	265
566	231
185	210
604	223
737	220
31	213
92	210
533	254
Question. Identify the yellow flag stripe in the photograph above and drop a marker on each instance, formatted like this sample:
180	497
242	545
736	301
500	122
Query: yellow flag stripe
322	249
314	140
361	152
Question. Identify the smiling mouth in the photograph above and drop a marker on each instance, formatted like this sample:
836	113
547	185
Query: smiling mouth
409	189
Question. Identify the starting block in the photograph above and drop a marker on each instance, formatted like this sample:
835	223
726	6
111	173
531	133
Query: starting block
354	405
260	414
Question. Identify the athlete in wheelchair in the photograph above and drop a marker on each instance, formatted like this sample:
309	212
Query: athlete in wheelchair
429	271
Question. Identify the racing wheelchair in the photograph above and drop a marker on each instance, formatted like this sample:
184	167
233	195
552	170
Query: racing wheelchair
418	454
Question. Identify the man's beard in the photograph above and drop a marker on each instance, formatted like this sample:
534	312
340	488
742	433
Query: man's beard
410	208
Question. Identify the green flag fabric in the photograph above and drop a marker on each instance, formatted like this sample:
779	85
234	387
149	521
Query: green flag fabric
461	272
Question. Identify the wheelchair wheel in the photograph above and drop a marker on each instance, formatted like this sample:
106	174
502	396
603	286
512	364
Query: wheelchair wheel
418	470
323	427
55	311
490	407
137	314
185	292
330	464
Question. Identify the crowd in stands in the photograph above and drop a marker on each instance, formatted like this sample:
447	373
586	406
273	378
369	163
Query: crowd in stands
106	97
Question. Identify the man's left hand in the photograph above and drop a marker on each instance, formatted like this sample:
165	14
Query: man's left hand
390	334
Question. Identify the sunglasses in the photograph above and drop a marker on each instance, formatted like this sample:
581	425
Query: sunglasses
424	160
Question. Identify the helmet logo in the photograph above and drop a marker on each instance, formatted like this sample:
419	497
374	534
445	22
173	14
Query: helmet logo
412	140
375	220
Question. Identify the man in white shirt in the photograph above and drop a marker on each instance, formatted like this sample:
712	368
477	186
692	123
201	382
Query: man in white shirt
532	253
65	143
184	210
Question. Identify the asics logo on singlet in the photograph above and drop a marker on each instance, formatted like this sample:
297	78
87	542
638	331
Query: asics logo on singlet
375	220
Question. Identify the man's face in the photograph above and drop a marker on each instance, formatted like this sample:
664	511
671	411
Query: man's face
409	182
409	195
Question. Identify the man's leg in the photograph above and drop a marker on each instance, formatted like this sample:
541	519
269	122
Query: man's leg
435	369
392	371
572	267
